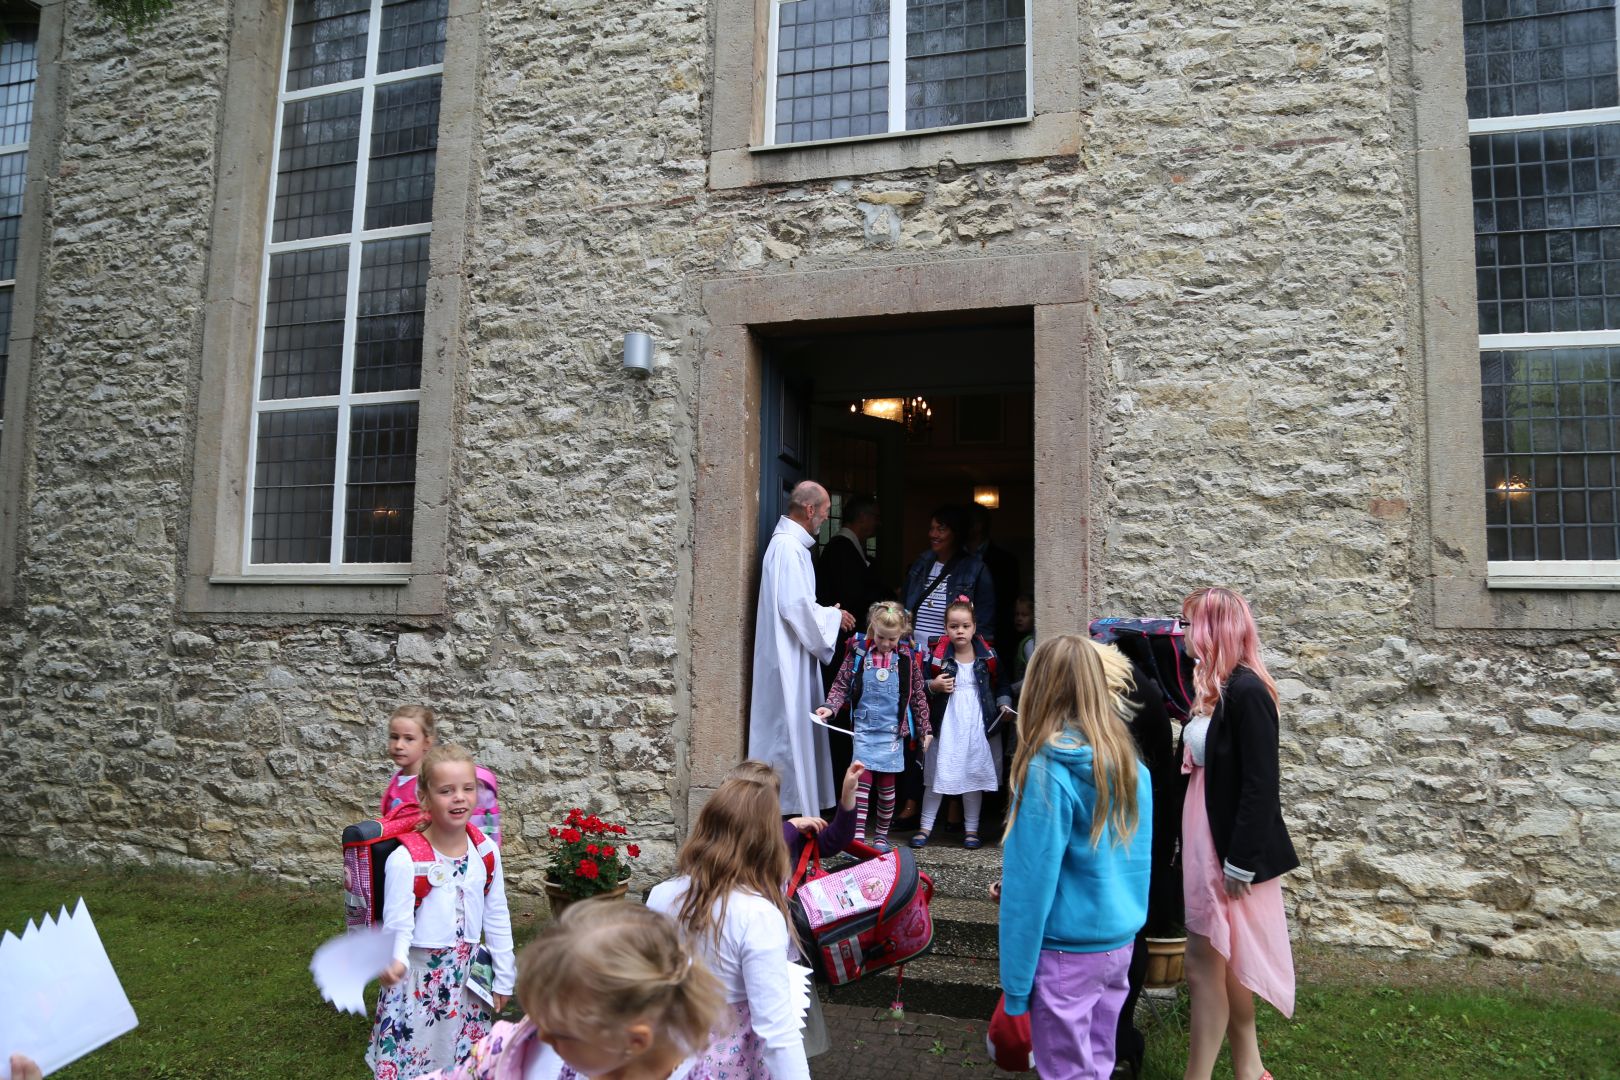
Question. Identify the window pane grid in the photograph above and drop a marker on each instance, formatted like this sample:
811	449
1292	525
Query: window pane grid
1539	56
412	34
381	484
327	42
964	62
1547	229
344	317
303	324
19	68
1547	262
13	175
320	143
292	486
832	69
5	339
404	145
1552	453
388	332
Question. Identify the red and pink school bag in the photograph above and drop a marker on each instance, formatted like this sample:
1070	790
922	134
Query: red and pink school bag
366	847
861	919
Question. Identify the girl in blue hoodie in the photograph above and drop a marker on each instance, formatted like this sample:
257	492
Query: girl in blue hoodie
1076	862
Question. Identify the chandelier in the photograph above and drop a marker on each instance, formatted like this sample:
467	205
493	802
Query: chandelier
913	413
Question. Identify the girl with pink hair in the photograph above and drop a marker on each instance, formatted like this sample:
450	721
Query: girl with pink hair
1234	844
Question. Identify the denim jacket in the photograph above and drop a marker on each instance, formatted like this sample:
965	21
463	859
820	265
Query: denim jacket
968	578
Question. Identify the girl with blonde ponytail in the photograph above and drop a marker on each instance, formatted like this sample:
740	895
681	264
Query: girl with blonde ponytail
611	992
1076	862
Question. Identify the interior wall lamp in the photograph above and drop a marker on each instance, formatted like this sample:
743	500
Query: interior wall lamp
638	353
987	496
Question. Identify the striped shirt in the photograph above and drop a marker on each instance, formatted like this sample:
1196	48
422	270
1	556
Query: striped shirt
931	612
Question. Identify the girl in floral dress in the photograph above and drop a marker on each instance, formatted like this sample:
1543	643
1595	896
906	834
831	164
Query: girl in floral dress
611	993
426	1019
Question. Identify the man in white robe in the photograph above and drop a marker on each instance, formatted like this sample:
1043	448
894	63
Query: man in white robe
794	636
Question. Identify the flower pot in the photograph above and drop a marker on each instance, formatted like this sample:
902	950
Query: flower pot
1164	966
559	899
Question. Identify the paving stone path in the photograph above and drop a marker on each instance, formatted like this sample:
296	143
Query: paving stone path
868	1045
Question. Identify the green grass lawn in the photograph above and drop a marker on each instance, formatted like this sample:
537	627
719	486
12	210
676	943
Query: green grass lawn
1355	1018
218	972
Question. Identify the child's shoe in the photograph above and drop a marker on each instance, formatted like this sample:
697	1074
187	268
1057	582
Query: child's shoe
972	842
920	840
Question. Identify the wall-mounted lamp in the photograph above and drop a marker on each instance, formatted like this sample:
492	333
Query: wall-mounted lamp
987	496
638	353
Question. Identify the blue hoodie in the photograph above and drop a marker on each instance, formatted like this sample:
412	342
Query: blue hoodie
1059	892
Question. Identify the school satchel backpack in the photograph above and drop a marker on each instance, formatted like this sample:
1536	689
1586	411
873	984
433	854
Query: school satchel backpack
861	919
366	847
487	814
1156	647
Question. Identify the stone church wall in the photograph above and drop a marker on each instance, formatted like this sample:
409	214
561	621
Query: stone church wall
1245	186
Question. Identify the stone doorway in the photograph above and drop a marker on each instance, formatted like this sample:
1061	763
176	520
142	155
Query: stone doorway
752	319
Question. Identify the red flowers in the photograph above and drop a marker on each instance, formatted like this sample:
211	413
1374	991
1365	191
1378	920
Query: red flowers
581	862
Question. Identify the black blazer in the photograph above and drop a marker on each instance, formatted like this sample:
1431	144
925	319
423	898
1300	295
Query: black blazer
1241	780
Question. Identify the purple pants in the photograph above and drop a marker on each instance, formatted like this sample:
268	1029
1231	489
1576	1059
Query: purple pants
1074	1012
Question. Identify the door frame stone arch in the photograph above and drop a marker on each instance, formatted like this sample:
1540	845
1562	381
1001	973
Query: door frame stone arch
1053	287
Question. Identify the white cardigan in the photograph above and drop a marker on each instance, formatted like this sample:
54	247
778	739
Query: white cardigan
433	925
751	961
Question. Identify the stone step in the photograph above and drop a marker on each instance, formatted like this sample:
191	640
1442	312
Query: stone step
957	871
965	928
944	985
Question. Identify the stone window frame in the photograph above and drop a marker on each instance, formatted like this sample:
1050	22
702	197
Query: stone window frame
15	431
1465	595
1054	288
215	583
740	157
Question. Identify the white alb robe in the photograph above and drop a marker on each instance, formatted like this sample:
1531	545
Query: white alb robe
793	637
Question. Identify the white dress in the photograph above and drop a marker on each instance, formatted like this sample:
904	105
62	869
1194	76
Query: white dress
961	759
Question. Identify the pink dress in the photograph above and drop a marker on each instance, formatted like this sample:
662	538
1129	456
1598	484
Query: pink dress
1252	933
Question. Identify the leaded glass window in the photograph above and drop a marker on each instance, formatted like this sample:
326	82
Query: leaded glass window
345	285
1544	120
19	69
847	68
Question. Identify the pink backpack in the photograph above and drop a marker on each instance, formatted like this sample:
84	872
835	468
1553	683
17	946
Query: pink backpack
366	847
487	814
864	918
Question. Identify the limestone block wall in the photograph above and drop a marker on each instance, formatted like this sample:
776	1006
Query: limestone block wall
1244	184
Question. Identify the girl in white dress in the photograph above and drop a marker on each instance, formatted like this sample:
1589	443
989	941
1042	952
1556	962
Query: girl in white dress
965	758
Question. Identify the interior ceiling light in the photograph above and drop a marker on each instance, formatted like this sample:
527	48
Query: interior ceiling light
987	496
914	412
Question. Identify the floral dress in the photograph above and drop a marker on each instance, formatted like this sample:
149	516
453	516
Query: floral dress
736	1053
427	1021
515	1052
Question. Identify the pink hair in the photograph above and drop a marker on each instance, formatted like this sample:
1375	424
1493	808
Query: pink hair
1221	630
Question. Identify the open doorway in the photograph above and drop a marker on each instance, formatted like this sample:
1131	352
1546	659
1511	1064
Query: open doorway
916	416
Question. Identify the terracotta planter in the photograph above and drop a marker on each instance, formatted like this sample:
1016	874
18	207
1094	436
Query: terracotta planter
559	900
1164	966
